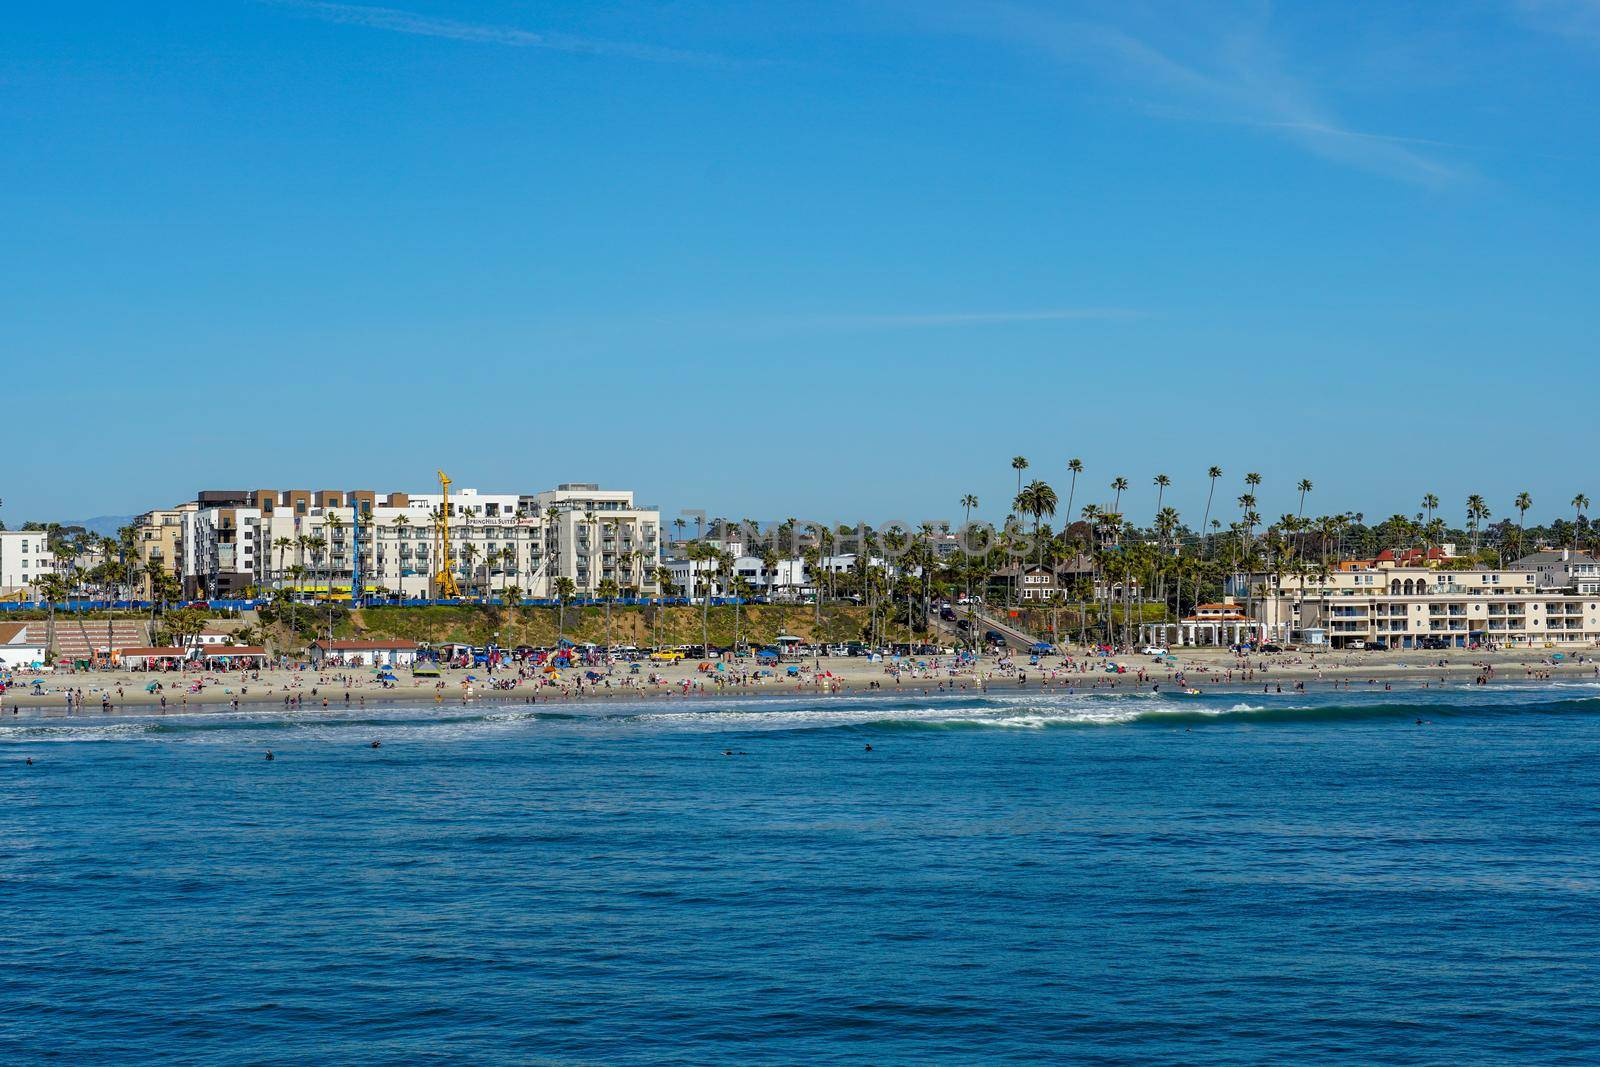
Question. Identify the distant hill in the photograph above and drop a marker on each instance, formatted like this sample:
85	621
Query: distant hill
104	525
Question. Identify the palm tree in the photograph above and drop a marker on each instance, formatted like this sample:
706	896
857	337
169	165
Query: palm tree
1161	483
1305	487
1579	502
1037	500
1430	503
1074	468
282	544
608	593
1119	484
564	588
1213	473
469	556
1019	464
1524	502
1477	511
968	502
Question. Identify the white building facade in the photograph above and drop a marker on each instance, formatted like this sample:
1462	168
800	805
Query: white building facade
317	542
25	557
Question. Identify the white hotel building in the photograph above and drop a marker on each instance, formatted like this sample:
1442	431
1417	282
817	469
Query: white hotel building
235	540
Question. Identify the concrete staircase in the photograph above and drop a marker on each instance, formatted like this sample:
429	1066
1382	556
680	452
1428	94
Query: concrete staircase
77	638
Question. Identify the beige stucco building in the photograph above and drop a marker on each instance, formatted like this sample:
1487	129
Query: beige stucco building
1422	607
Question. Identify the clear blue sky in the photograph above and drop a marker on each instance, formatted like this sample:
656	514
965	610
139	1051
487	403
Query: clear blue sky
840	259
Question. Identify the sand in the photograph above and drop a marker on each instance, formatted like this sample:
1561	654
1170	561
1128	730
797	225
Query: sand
1196	668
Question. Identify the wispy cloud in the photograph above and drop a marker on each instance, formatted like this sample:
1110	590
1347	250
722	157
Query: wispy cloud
1232	75
397	21
1570	18
960	318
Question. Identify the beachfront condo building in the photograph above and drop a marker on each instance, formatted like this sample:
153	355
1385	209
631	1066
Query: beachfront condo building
1366	605
25	557
318	542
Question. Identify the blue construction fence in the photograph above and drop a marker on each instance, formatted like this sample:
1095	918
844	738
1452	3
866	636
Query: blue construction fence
366	602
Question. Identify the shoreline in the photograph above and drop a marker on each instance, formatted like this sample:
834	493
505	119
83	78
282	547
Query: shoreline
341	689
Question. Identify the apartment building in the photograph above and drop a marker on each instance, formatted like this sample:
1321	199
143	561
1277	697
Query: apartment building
596	534
320	541
1421	607
25	557
157	537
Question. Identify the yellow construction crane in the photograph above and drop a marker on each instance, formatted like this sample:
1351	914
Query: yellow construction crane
445	587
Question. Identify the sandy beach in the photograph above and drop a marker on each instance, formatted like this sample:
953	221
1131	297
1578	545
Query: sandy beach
1198	669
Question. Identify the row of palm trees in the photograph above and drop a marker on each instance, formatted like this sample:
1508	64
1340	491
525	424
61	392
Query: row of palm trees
1167	558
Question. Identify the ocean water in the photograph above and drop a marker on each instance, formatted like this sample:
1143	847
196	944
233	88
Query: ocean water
1003	878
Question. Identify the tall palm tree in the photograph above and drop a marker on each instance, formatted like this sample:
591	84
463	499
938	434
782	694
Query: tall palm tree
469	556
1213	473
1524	502
508	563
1074	468
1161	484
1579	502
1430	503
1252	482
283	545
1304	486
608	593
1019	464
319	558
564	588
1477	511
1119	485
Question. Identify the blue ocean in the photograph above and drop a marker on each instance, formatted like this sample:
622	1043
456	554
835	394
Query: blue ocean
1007	877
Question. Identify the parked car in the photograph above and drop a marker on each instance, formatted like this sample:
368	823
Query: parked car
994	637
1154	650
666	655
1271	648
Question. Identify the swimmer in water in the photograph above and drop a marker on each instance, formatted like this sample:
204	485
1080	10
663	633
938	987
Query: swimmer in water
869	748
377	744
270	756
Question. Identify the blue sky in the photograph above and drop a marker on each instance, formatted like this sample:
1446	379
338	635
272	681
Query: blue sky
839	259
